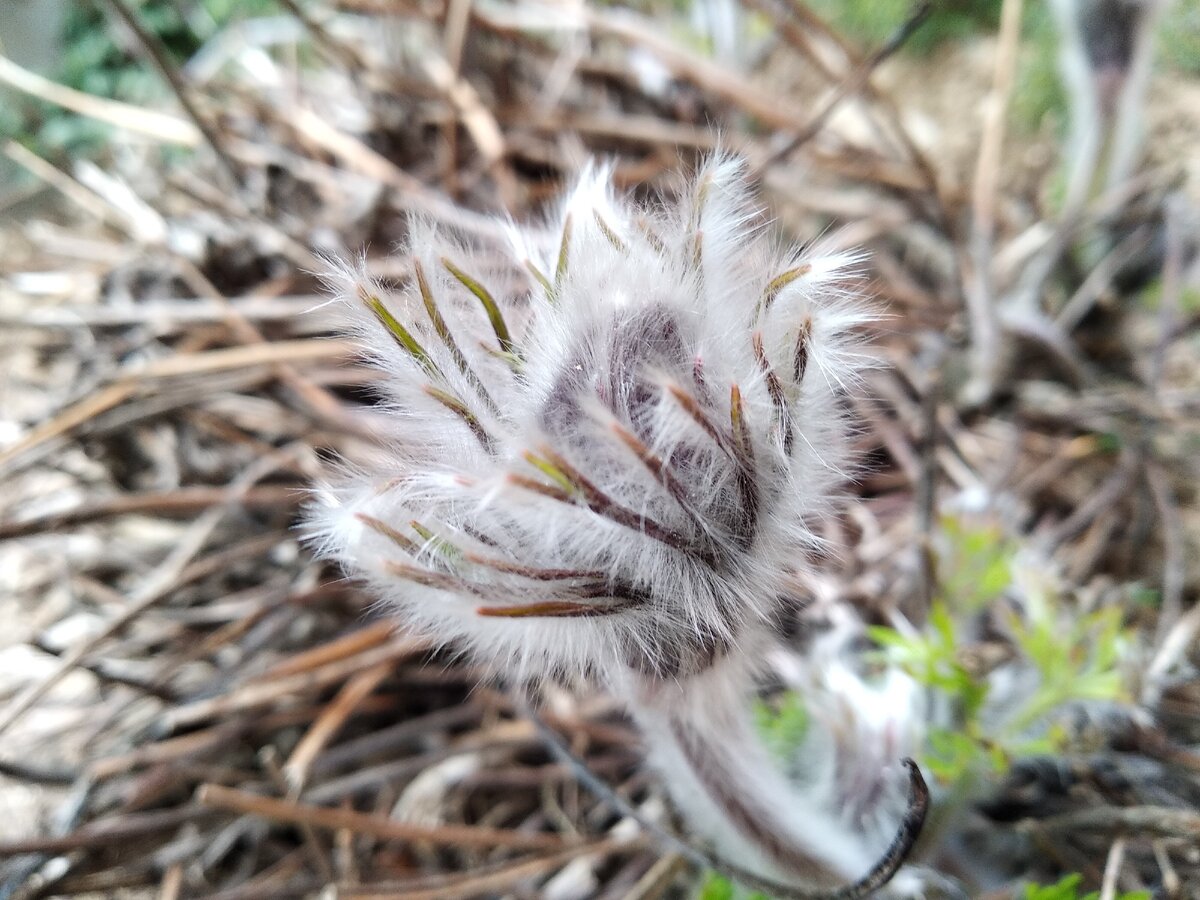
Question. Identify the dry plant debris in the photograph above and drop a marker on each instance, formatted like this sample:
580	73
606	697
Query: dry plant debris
191	706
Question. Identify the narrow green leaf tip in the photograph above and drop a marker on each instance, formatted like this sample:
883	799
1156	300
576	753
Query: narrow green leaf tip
490	306
400	334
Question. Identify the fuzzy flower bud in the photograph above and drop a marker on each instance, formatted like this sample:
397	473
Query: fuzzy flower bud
604	458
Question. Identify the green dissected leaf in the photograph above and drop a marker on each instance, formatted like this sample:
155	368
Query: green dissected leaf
783	724
1068	889
976	566
951	755
716	887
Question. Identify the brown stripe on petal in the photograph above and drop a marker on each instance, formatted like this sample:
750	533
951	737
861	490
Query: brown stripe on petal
800	358
380	527
533	573
658	468
538	487
428	578
693	408
556	609
783	416
599	502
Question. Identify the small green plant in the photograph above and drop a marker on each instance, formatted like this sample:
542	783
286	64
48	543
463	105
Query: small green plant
871	22
976	563
717	887
932	658
782	723
1068	889
1180	36
96	61
1075	657
1038	91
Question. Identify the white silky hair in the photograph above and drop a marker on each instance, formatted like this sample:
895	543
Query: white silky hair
609	470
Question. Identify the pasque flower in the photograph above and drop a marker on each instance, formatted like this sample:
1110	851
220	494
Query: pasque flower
602	459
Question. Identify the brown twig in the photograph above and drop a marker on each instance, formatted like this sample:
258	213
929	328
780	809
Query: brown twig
159	57
218	797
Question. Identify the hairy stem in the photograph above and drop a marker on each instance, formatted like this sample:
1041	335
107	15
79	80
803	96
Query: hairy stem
726	784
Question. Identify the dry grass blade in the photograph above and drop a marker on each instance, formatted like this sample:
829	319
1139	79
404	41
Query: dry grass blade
356	689
218	797
148	122
264	693
503	877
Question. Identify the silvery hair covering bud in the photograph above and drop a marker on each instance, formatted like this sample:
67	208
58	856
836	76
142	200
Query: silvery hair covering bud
602	461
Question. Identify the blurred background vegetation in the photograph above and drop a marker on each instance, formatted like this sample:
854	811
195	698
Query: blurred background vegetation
99	59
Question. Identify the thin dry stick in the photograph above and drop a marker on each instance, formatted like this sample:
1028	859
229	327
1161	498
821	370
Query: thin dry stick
262	694
218	797
184	501
85	198
172	883
1170	878
345	55
705	73
269	605
1136	821
811	22
300	312
925	496
280	880
322	731
1100	278
1172	289
113	830
321	401
1112	869
479	123
852	84
153	589
1174	579
134	380
165	751
226	358
146	122
982	317
412	192
645	129
1171	651
658	878
69	419
454	34
337	649
158	56
499	880
1075	217
316	850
